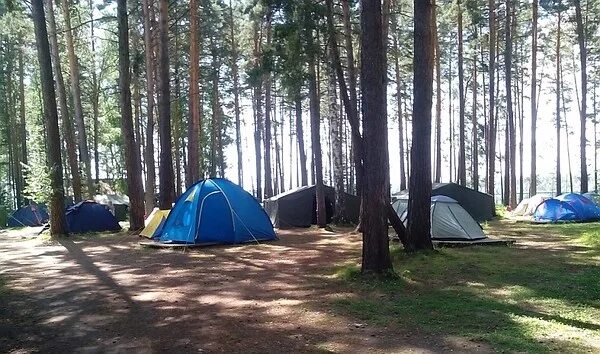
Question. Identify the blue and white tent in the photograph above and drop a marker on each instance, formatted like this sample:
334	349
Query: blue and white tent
216	211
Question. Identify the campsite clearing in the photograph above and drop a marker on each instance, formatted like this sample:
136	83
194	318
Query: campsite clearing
302	294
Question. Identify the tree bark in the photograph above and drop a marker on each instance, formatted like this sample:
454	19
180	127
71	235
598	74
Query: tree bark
132	154
419	203
315	130
533	98
58	223
236	96
77	105
508	57
558	95
149	161
267	135
193	158
581	40
375	189
300	139
166	187
462	166
438	101
61	93
475	130
491	141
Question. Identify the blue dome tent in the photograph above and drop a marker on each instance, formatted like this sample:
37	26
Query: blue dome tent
30	215
585	208
554	210
89	216
216	211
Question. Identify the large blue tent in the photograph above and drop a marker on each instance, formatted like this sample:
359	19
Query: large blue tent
30	215
554	210
89	216
216	211
585	208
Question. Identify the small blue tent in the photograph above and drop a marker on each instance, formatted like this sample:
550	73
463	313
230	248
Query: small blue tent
89	216
585	208
30	215
554	210
216	211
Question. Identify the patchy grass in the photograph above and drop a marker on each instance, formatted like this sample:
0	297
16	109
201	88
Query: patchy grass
543	295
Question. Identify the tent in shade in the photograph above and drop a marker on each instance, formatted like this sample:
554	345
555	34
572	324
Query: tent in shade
585	208
479	205
297	207
154	223
527	206
30	215
450	221
89	216
216	211
554	210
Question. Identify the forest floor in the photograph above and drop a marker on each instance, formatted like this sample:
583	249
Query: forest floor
105	293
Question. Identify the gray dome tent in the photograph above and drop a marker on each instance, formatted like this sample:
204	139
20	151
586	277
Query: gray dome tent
479	205
449	220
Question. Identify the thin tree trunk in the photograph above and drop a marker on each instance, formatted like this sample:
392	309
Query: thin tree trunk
193	158
132	154
581	40
77	105
300	139
236	96
150	183
508	57
491	148
438	102
166	187
558	94
533	98
58	223
475	130
267	136
95	96
61	93
462	166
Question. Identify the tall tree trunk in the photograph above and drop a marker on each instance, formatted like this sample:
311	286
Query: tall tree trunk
335	121
438	101
95	96
491	148
400	123
475	130
58	223
77	105
61	93
22	127
257	104
150	183
132	154
166	187
511	157
300	139
581	40
419	224
462	166
558	95
236	96
375	253
533	98
352	110
267	136
315	131
193	158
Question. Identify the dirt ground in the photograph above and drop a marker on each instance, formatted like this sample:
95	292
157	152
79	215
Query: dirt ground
107	294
